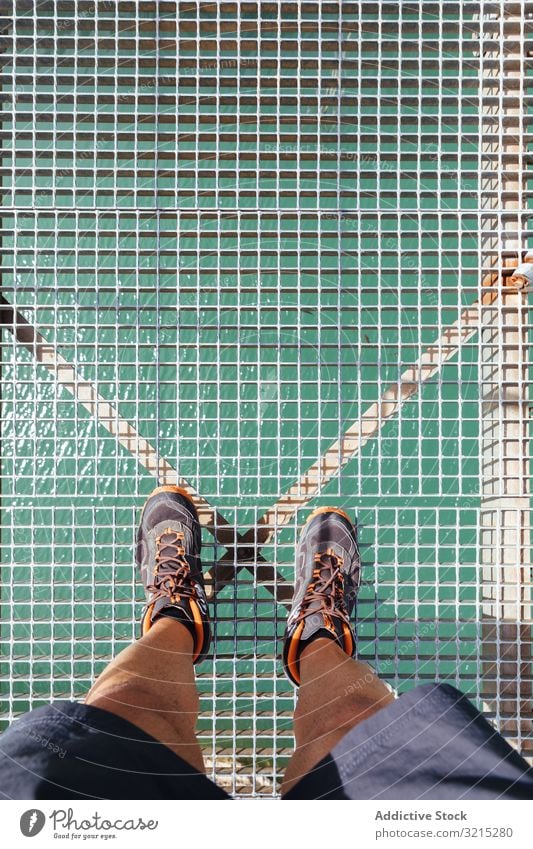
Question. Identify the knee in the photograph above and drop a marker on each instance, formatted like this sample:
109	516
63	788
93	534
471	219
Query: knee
160	698
341	714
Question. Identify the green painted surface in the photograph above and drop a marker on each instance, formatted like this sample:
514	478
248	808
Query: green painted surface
241	272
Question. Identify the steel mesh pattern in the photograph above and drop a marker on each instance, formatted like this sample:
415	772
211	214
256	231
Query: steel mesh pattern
227	230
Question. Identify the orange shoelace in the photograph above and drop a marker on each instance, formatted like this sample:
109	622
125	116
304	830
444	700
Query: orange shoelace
326	588
171	572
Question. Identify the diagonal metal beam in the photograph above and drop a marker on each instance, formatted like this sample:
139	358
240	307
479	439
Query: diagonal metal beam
84	392
368	426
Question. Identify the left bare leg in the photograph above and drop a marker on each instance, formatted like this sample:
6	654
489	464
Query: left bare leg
152	685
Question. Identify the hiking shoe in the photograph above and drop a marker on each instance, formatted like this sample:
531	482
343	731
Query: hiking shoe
168	556
327	580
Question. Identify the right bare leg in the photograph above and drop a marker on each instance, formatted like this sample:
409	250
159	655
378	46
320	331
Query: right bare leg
336	694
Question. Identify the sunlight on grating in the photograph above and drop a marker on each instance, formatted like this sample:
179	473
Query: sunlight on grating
242	246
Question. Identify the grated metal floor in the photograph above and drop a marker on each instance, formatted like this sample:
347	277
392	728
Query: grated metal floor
228	230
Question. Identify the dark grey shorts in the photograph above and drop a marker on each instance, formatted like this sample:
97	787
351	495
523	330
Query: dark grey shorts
431	743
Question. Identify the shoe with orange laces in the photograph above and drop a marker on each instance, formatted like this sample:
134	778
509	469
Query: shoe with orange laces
328	571
168	556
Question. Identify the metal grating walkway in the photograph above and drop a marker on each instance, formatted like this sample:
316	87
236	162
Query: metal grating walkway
243	247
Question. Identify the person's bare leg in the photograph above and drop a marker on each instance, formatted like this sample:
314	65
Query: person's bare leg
336	693
151	684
